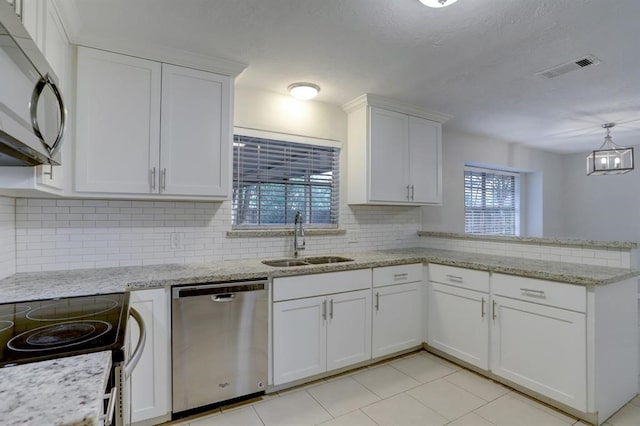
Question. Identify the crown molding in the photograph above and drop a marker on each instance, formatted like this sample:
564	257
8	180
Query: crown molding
381	102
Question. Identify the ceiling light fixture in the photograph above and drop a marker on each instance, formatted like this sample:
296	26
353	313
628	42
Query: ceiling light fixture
304	91
438	3
609	159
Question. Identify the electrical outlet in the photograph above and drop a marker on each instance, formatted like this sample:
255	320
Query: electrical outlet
175	241
353	236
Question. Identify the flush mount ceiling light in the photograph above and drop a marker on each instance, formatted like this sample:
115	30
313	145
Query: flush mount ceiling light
303	91
438	3
609	159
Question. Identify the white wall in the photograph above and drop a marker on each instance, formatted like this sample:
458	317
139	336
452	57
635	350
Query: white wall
7	237
543	208
600	207
70	234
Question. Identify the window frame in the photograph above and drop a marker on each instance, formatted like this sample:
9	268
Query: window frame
334	210
517	208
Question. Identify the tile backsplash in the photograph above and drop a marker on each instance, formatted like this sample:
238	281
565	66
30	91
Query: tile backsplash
7	237
613	257
62	234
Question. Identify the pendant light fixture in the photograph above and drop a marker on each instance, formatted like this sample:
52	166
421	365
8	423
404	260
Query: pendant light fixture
303	91
438	3
609	159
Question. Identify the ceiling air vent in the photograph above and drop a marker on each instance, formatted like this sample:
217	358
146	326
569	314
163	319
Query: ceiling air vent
576	64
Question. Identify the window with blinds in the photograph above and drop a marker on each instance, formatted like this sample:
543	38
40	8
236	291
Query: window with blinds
272	180
491	202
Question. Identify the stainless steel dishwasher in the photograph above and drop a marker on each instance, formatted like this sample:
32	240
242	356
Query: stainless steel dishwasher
219	342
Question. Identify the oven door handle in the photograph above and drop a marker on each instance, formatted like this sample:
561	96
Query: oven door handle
137	353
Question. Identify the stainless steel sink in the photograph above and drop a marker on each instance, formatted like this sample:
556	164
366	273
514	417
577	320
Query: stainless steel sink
285	263
316	260
319	260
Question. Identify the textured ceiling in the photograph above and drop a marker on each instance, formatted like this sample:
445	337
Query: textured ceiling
475	60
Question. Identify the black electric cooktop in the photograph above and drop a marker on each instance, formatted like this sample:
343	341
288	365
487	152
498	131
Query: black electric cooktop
43	329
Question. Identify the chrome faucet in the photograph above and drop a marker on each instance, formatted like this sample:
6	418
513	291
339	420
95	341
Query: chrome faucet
298	233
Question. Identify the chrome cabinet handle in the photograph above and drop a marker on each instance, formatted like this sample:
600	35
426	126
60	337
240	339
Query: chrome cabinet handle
482	308
534	293
455	278
163	180
142	339
408	197
377	301
111	406
494	310
33	106
50	172
411	192
324	310
153	179
400	276
331	309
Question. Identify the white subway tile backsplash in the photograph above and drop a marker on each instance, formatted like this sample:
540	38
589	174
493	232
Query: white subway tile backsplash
97	233
601	257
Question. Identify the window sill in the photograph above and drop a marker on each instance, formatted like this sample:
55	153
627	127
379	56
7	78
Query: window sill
269	233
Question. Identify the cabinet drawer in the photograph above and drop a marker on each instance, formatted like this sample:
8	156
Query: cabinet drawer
551	293
399	274
459	277
299	286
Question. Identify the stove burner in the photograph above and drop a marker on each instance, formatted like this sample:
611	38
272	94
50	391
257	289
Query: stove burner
62	335
5	325
18	311
68	310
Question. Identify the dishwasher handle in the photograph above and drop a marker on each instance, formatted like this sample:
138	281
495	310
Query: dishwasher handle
218	288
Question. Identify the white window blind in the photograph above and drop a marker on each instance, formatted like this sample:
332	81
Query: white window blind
272	180
491	202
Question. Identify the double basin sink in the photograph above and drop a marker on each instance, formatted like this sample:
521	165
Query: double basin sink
316	260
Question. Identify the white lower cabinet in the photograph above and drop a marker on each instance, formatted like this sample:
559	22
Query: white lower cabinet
542	348
318	334
151	379
299	339
458	323
397	309
320	323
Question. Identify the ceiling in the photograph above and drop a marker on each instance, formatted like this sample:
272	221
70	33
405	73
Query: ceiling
475	60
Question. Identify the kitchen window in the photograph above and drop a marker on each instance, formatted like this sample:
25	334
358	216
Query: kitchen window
491	202
275	178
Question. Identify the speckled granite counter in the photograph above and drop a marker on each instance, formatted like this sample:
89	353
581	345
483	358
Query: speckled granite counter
27	286
78	378
63	391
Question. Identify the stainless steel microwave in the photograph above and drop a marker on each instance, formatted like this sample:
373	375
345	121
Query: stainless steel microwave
32	112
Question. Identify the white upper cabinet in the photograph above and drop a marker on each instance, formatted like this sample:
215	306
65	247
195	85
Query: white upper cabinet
394	153
194	123
151	130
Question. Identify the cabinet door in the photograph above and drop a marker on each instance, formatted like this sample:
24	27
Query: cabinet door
425	162
542	348
299	339
150	380
458	323
349	330
388	156
118	123
196	132
396	318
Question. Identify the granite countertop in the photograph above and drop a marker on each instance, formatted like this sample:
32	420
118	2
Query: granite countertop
62	391
69	390
42	285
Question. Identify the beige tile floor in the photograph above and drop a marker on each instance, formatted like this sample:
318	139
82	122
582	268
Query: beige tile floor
416	389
